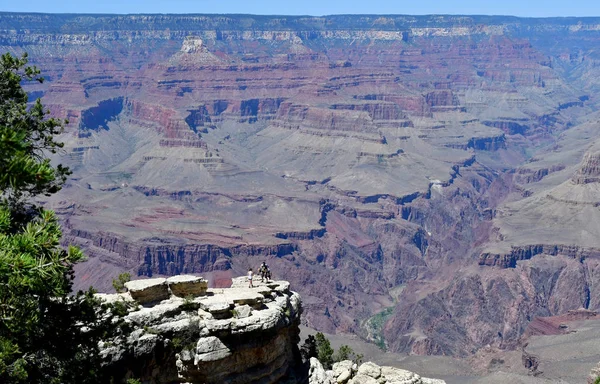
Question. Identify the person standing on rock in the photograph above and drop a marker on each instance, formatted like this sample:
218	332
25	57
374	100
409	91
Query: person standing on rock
250	275
264	271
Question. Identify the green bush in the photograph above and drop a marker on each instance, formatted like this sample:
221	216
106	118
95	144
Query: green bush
189	304
320	347
345	352
119	283
324	350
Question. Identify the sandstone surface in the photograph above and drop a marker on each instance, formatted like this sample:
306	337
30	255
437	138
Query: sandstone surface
187	285
148	291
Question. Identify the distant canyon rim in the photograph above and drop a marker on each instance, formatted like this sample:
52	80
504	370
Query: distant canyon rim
429	183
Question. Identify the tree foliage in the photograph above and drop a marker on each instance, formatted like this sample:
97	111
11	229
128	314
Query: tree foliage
119	283
319	346
345	352
27	134
324	350
308	349
46	335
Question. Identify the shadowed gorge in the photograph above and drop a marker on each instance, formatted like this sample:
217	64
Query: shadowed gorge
98	117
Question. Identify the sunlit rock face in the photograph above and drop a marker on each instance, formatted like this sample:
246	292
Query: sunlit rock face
229	335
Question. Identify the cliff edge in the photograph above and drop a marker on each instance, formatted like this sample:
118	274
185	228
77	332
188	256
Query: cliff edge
179	331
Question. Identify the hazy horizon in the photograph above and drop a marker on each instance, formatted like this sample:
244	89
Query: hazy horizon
532	9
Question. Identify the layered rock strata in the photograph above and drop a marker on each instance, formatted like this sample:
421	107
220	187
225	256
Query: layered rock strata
590	169
365	157
231	335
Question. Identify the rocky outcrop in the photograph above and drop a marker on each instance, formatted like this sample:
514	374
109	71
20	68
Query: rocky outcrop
526	252
156	290
510	127
148	291
174	127
589	172
172	257
557	325
348	372
376	110
492	143
231	335
306	117
194	52
443	100
186	285
526	175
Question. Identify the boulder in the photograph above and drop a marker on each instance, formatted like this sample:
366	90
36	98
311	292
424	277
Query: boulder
145	345
264	290
401	376
187	285
218	309
254	299
149	290
281	286
342	371
178	326
210	348
370	369
155	314
242	311
317	374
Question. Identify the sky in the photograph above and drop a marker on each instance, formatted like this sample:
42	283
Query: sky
524	8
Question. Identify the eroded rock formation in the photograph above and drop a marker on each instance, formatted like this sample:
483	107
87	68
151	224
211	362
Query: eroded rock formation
590	169
183	332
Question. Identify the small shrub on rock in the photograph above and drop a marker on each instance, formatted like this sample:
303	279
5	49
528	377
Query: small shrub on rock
119	283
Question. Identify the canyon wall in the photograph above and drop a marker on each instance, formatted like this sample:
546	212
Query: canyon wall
426	182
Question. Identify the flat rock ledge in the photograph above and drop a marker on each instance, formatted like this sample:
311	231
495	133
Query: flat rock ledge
155	290
184	333
187	285
347	372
